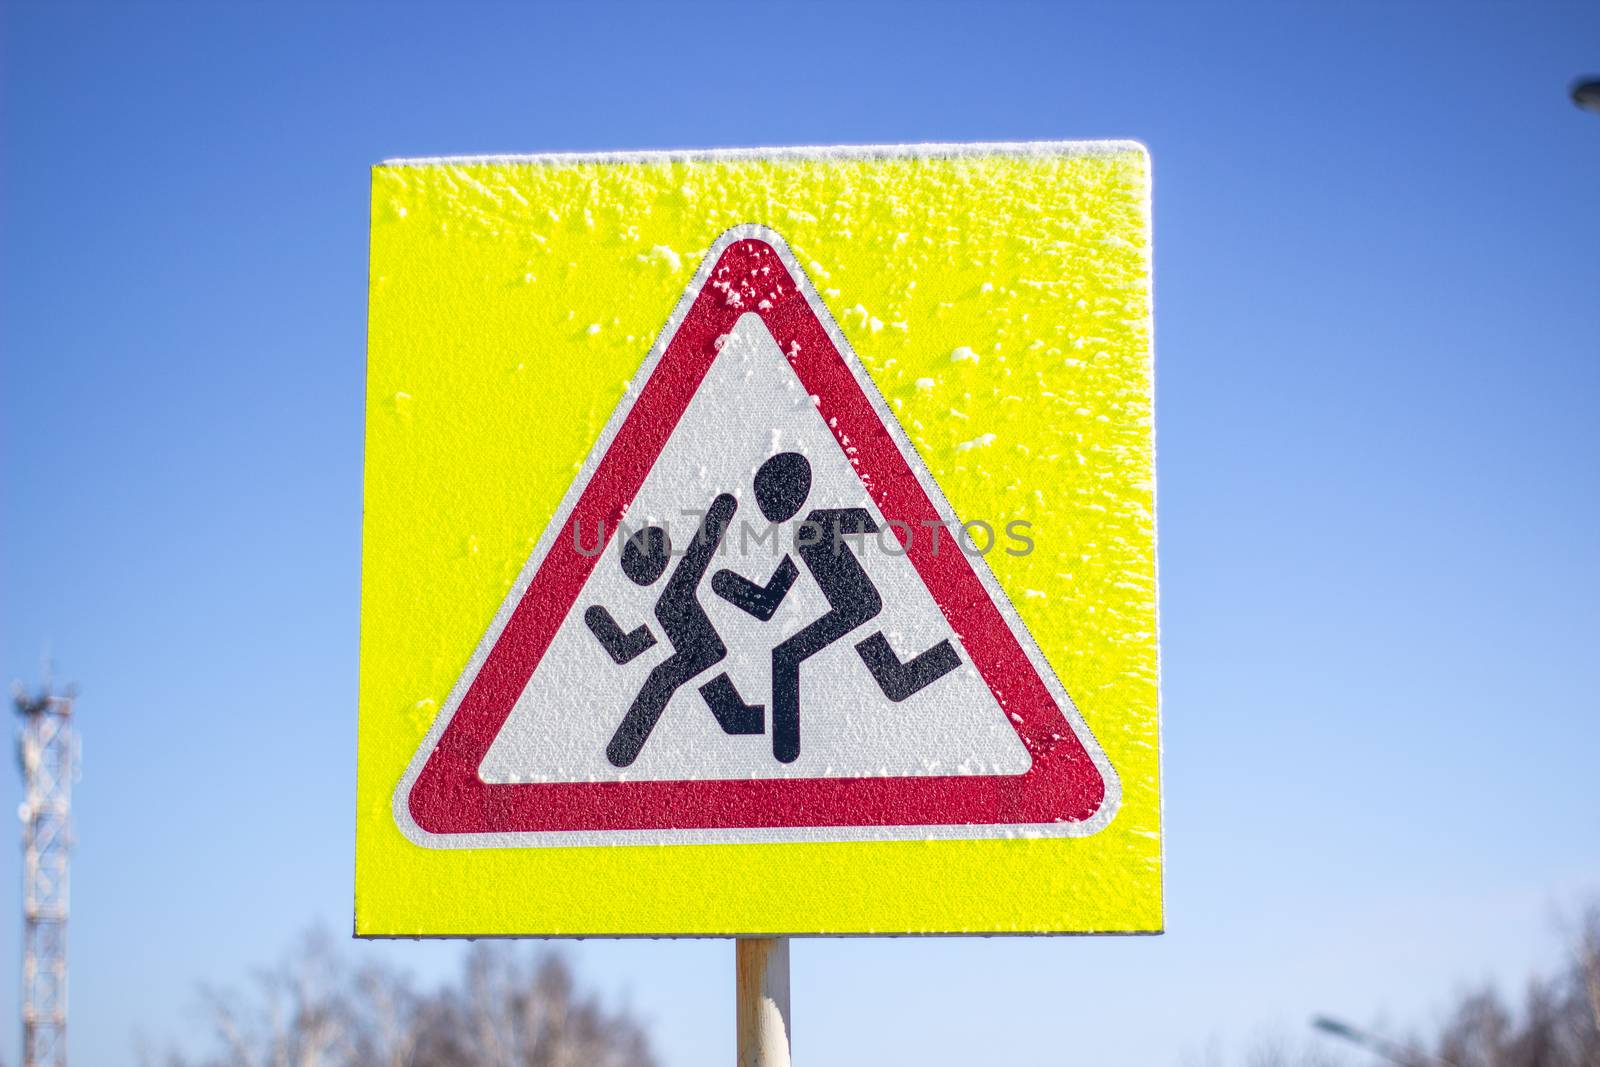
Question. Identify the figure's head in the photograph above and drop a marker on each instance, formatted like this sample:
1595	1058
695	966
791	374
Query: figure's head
782	485
644	555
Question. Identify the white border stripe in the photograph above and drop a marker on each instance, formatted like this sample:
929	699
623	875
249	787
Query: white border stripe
930	150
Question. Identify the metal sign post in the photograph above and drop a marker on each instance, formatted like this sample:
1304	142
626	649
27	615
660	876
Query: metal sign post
762	975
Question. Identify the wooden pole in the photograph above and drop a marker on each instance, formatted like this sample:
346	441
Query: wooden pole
762	975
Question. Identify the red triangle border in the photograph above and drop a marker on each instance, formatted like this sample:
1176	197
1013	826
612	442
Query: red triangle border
445	802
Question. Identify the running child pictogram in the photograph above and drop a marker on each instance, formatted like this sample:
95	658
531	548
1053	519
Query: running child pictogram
782	485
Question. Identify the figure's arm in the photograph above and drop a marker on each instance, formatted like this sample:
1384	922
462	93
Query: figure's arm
622	647
759	600
697	554
854	521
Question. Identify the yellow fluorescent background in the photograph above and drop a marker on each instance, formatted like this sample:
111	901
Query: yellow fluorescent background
1001	302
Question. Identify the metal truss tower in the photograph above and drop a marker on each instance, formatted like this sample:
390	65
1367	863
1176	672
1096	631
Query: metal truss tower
47	751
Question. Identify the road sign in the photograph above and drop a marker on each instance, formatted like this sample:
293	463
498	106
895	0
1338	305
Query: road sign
810	488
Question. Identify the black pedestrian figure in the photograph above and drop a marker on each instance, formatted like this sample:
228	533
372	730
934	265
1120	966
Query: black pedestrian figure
782	485
695	643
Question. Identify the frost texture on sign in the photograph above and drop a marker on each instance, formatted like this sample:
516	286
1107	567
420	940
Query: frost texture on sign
1000	303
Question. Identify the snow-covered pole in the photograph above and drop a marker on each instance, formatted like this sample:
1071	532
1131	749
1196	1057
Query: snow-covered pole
762	977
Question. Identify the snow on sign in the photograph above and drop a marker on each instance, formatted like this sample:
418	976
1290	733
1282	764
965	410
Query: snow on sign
779	656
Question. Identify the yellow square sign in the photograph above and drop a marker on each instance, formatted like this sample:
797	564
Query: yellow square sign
760	542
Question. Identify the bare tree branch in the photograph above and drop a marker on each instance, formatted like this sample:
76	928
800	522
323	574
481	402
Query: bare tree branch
510	1008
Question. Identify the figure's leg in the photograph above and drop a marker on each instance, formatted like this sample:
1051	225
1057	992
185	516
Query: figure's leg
634	730
786	660
900	680
732	713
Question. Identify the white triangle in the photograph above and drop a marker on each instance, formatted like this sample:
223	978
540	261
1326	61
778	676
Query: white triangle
749	407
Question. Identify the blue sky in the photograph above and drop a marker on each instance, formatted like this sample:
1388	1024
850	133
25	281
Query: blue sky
1378	345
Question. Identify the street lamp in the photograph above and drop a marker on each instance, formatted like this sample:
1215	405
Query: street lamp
1586	93
1391	1051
